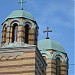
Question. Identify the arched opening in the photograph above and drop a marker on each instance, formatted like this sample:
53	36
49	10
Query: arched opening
14	32
4	26
44	57
26	33
57	66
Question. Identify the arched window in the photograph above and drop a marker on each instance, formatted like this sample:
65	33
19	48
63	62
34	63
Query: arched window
44	57
4	27
57	66
26	33
14	32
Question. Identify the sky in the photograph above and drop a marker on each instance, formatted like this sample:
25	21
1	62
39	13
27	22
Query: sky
58	15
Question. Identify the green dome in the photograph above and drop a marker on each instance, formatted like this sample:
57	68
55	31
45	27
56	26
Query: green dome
48	44
20	13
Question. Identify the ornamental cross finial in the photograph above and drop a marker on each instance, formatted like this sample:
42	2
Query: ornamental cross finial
21	2
47	31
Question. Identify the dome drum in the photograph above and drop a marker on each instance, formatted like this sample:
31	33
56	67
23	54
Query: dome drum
19	21
19	26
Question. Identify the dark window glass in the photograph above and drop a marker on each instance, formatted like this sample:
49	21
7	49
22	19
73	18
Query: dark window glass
26	33
57	66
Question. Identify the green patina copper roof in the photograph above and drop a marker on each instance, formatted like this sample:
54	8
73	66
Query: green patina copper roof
20	13
48	44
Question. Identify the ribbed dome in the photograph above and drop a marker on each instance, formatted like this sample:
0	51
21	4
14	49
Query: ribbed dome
20	13
48	44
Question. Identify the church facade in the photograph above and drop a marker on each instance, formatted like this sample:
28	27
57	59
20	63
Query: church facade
22	54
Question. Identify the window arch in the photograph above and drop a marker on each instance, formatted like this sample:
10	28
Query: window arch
4	27
44	57
14	32
57	66
26	33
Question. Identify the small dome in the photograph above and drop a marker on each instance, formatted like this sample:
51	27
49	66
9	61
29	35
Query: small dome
48	44
20	13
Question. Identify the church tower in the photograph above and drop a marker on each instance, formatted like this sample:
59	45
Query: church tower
54	55
19	26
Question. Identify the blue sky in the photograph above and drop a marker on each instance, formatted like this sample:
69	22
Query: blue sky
58	15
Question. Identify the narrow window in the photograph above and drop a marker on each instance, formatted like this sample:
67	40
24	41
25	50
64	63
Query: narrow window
26	33
14	32
57	66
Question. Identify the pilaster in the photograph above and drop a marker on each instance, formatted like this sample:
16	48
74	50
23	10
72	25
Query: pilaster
11	30
3	37
31	38
8	35
20	33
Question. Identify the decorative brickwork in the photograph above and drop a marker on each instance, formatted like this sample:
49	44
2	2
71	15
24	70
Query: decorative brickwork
11	29
22	61
31	38
8	35
22	34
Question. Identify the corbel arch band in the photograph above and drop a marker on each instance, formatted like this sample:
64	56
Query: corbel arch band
60	55
14	22
32	25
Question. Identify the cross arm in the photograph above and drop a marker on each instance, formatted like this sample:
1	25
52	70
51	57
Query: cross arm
47	31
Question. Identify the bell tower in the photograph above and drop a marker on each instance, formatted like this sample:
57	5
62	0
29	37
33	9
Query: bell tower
20	29
19	26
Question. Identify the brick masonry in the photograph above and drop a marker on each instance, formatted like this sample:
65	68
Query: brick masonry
26	62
